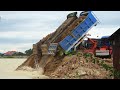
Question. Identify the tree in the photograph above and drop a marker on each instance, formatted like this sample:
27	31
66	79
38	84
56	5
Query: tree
18	54
1	54
28	52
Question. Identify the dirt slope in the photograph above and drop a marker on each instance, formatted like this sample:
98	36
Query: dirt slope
78	66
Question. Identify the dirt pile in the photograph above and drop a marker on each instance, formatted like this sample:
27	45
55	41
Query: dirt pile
78	66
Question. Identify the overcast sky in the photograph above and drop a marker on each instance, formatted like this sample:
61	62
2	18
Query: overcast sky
19	30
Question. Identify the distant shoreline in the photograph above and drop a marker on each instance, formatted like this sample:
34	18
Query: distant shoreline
13	57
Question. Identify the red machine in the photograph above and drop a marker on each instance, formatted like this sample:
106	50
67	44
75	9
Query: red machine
99	47
104	48
91	45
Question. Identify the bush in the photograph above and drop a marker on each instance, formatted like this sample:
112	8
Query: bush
116	74
8	57
70	53
86	55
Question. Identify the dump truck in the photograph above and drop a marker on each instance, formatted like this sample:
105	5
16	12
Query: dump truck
65	39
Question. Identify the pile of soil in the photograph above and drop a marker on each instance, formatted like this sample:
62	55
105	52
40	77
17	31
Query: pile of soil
78	66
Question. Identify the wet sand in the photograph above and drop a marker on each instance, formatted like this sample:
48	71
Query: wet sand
8	66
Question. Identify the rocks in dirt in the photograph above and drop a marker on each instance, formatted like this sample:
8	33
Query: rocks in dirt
79	67
67	65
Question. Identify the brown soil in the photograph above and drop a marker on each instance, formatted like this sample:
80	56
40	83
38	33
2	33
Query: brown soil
77	67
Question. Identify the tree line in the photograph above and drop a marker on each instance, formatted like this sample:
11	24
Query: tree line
26	53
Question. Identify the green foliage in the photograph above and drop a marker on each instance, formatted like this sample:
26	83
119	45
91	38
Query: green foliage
28	52
94	60
117	74
70	53
119	61
61	53
77	75
102	62
1	54
18	54
8	57
87	60
107	67
86	55
73	52
79	54
97	61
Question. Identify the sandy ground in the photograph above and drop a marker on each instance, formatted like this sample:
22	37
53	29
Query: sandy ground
8	66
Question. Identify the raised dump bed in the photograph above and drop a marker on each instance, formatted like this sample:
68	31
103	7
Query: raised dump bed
70	19
57	35
79	32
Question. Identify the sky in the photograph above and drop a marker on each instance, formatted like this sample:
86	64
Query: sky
19	30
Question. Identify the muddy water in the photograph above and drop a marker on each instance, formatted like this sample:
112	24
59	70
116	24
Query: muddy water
8	66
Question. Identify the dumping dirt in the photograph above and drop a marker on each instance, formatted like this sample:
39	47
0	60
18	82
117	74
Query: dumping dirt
78	66
49	52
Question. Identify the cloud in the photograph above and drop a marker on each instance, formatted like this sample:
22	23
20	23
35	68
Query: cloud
17	47
22	36
102	31
108	18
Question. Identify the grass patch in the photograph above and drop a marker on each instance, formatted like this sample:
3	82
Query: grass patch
70	53
8	57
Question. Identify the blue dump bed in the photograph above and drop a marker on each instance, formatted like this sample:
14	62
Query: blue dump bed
78	32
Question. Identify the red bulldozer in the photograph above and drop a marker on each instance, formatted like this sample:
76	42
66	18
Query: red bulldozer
99	47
